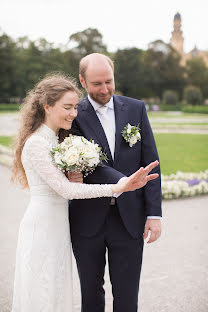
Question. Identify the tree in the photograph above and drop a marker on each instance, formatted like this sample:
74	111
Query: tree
193	95
170	97
197	74
71	63
163	69
7	68
86	42
34	60
129	68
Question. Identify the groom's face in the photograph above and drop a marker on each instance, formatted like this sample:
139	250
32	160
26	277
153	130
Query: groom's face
99	82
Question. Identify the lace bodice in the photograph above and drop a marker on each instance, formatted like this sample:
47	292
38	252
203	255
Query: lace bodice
45	179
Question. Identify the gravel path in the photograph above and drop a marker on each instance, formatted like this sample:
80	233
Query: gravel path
179	130
175	268
9	124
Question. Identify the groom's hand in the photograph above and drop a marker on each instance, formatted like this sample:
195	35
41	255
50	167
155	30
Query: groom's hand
154	226
76	177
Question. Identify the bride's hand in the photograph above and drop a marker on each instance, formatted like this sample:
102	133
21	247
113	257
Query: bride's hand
75	177
137	179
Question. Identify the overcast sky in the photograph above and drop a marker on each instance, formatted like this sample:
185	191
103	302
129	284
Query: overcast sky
122	23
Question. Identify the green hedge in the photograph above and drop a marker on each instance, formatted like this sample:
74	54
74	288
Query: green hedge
9	107
200	109
168	107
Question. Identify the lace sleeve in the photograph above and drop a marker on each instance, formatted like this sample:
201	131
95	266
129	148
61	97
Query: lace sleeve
37	152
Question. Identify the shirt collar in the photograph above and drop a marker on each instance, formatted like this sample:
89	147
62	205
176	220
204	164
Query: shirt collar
47	131
96	106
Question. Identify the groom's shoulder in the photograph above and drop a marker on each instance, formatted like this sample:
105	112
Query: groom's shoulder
129	101
83	102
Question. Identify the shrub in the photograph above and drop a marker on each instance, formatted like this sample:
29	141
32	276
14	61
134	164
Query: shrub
170	97
193	95
200	109
164	107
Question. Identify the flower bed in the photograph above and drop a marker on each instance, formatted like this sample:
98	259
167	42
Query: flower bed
184	184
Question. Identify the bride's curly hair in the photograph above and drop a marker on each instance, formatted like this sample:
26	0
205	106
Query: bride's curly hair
47	91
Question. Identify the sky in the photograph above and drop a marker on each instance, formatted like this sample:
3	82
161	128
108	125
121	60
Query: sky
123	24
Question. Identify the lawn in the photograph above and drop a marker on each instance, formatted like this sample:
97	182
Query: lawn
183	152
6	140
9	108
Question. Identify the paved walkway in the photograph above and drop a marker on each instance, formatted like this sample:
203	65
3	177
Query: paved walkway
175	269
9	124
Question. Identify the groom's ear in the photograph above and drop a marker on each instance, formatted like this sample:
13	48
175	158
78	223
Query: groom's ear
82	81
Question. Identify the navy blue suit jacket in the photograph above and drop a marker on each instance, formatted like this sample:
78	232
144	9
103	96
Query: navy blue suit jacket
87	216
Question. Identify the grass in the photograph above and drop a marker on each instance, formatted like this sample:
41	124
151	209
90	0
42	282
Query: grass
182	152
8	112
6	141
9	108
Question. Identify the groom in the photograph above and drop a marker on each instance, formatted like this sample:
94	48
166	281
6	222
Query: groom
117	225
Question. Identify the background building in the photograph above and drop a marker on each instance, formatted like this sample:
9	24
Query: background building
177	42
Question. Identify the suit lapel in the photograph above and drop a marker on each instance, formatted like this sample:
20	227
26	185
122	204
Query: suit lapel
121	118
90	120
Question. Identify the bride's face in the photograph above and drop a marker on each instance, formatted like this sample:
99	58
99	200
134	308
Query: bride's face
62	114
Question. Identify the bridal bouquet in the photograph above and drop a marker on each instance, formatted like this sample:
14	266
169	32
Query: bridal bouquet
76	153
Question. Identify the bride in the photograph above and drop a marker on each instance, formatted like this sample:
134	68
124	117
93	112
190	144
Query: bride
43	275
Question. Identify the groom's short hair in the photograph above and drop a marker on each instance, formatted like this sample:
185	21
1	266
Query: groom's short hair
86	59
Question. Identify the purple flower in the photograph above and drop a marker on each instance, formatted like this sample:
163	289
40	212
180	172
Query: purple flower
193	182
155	108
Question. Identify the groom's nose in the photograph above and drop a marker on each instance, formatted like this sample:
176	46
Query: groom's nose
104	89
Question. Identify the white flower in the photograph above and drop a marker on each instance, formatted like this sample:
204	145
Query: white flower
58	158
76	153
71	156
174	188
138	135
131	134
133	140
128	128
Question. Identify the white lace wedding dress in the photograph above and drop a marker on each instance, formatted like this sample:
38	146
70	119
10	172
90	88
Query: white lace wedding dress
43	275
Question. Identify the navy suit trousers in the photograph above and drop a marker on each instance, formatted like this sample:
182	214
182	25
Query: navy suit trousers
124	260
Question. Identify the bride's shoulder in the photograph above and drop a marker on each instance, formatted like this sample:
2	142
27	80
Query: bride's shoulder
35	140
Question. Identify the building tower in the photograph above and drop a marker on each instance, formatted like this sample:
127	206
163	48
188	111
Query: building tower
177	35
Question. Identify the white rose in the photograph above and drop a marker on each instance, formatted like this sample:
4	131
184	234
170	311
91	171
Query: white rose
138	135
57	158
133	140
71	156
90	155
93	162
77	141
128	129
66	141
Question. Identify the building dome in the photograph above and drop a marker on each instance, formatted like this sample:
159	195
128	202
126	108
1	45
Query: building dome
177	16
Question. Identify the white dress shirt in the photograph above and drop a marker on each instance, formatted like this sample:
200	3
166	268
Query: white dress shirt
111	115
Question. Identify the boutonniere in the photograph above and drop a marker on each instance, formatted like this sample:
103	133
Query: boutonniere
131	134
